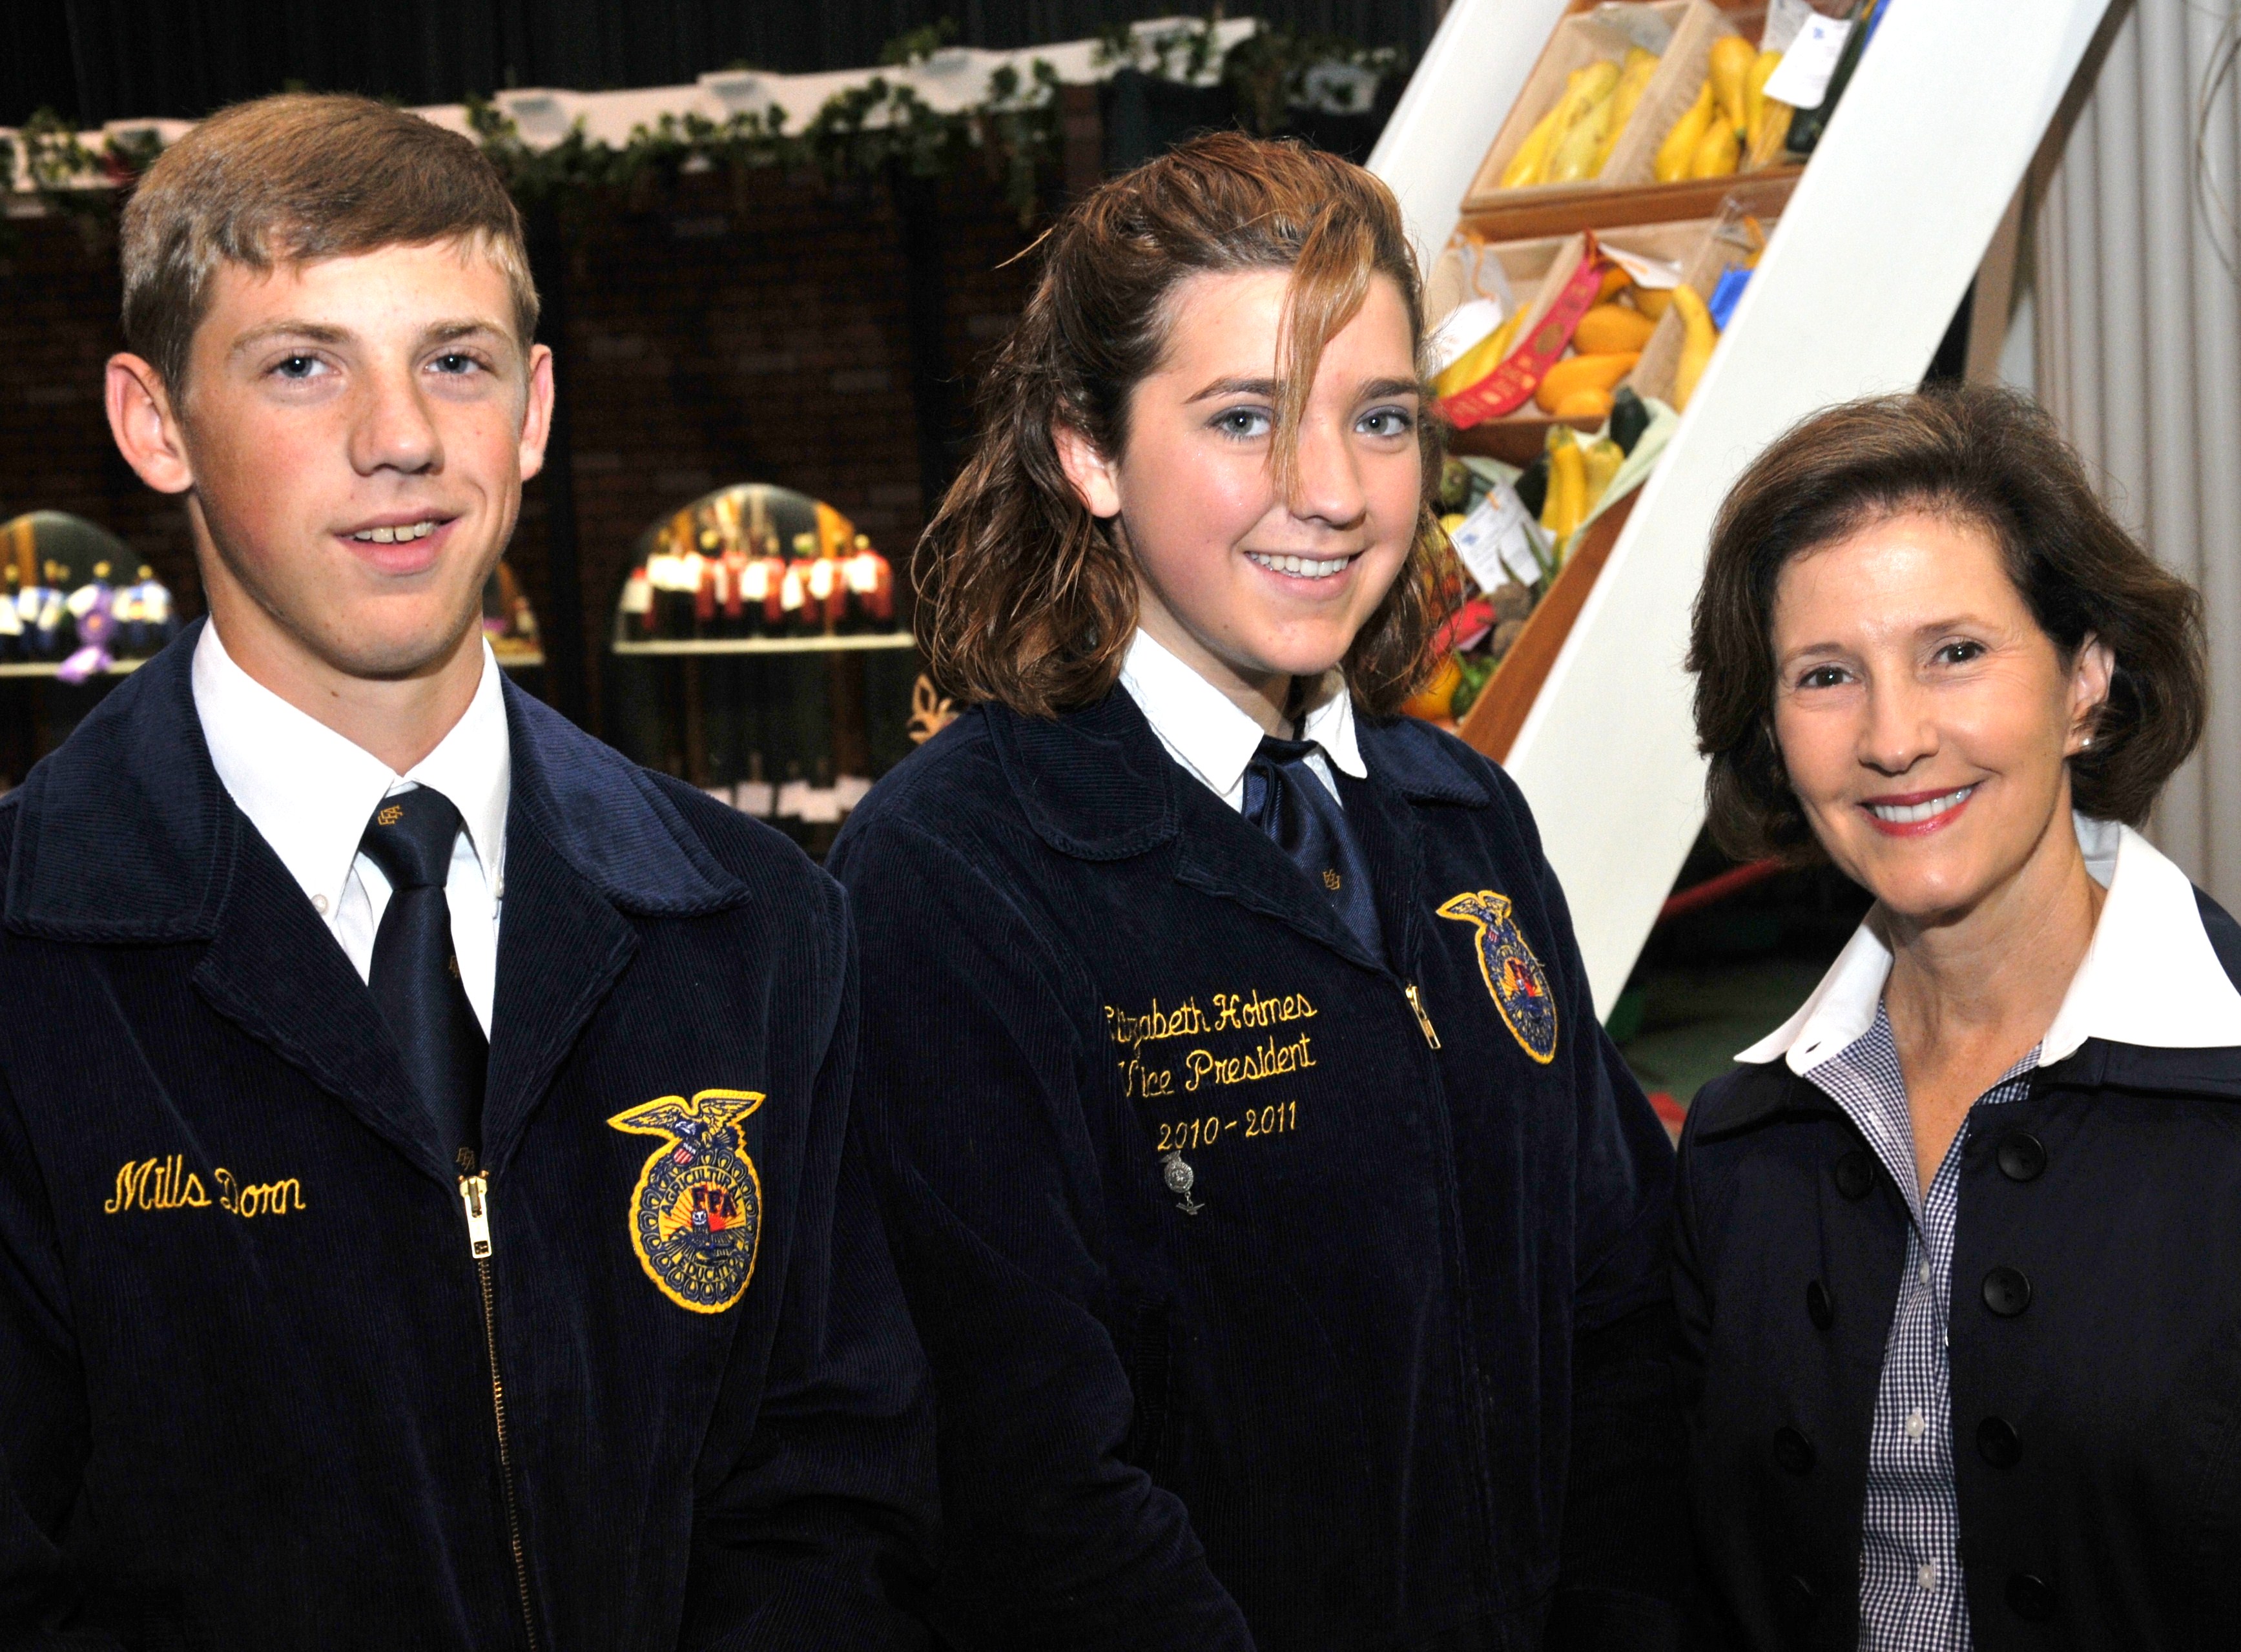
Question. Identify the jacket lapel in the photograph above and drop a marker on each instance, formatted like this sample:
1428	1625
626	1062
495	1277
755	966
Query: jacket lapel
274	971
1222	854
591	841
561	947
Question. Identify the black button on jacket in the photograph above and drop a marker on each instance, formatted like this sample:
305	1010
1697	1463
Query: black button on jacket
2095	1345
1254	1318
246	1394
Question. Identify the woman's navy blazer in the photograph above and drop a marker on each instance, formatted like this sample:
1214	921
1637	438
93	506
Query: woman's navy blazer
1263	1308
246	1382
2095	1342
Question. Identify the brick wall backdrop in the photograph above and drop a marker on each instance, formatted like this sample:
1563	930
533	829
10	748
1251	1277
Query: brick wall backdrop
719	329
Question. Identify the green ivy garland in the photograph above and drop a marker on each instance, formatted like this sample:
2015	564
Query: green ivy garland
1015	131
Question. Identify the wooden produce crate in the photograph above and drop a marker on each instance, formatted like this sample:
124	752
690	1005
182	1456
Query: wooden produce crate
1692	244
1627	193
1605	34
1723	243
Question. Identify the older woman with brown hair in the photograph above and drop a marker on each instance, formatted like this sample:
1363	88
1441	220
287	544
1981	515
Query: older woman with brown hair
1959	1245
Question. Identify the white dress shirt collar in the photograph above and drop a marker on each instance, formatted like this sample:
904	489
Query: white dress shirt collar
1214	737
2149	976
309	792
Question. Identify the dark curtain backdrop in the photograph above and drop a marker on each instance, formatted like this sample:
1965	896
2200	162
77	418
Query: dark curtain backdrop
98	60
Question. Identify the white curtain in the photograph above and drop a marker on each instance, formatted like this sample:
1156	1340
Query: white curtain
2127	325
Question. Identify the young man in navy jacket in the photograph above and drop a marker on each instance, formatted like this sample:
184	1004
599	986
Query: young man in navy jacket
373	1269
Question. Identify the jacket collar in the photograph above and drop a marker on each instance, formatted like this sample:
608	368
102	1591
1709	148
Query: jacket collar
2152	978
126	833
1097	784
1213	737
2153	1007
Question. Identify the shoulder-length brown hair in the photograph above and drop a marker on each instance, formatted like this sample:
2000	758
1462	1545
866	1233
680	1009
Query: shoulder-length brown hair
1994	459
1027	598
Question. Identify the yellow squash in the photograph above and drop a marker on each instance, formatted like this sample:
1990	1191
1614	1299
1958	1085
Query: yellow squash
1773	136
1680	144
1567	502
1717	151
1653	302
1731	65
1435	701
1585	403
1696	347
1601	460
1762	66
1609	328
1572	158
1479	361
1634	79
1532	157
1582	372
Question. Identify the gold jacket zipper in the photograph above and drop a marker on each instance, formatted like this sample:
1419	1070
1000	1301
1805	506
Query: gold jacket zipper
474	1194
1416	1003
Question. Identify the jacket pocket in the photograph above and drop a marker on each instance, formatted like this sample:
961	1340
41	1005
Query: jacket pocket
1146	1355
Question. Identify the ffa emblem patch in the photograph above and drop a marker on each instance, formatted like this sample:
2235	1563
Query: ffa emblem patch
1512	973
697	1212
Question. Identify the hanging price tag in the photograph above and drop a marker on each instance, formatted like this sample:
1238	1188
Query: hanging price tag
1496	541
1801	79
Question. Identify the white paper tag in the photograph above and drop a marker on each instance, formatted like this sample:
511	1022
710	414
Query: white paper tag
1654	273
1801	79
851	789
1783	19
790	797
755	798
820	806
1466	324
1497	540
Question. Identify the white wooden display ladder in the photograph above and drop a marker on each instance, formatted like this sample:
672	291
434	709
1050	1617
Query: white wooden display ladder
1857	285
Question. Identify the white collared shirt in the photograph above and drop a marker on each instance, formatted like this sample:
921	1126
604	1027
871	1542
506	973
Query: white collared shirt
1214	738
2150	975
309	793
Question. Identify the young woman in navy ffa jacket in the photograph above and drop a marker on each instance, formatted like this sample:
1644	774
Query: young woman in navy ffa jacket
1288	1241
375	1271
1959	1266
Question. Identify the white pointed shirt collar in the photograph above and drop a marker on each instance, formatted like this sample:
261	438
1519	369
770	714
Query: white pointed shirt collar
1214	737
2149	976
309	792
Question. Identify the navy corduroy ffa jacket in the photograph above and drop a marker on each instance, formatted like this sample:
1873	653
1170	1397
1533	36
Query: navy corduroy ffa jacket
251	1368
1266	1306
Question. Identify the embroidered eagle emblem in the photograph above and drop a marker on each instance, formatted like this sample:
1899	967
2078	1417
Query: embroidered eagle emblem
696	1216
1512	973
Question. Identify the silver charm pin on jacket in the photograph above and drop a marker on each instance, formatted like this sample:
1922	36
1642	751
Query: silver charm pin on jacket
1180	1178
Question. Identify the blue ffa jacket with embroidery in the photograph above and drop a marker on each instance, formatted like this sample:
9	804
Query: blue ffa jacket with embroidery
1276	1294
253	1340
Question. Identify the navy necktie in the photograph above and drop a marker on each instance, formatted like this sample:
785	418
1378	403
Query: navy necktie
1288	800
416	972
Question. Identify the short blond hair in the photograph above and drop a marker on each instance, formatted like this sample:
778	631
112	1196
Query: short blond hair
298	177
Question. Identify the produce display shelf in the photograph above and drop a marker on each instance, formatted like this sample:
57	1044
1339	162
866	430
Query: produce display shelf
1561	212
49	667
704	646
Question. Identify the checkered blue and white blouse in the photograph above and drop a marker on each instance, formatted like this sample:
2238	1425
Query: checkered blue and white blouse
1910	1588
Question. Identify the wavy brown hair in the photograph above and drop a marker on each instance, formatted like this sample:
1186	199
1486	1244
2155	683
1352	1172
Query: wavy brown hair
1027	598
1992	458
